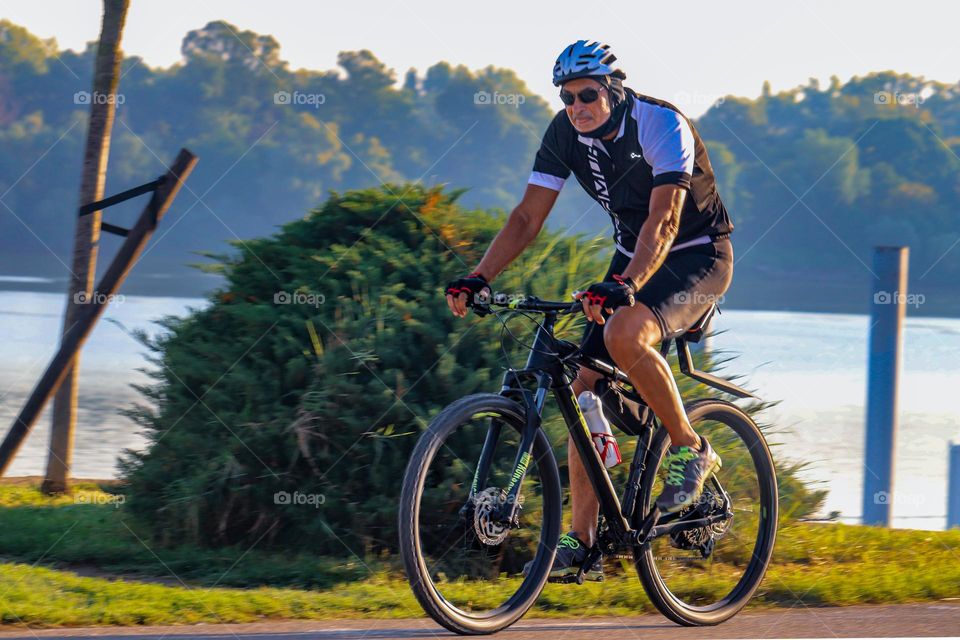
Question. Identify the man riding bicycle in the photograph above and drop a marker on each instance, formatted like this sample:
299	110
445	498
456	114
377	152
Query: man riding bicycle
646	165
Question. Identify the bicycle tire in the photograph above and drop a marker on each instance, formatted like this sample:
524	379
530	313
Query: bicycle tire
434	604
658	592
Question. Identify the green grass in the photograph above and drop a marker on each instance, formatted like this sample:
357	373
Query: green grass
42	597
815	564
23	492
91	529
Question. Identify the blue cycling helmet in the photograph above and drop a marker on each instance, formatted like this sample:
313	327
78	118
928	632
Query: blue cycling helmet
585	58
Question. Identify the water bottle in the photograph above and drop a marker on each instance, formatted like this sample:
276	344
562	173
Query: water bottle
599	426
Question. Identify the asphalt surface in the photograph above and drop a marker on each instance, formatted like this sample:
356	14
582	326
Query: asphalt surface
888	621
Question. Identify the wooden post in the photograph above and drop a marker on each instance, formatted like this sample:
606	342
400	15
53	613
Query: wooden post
73	339
106	77
888	310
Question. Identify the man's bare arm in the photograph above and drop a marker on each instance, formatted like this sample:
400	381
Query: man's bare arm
657	233
521	228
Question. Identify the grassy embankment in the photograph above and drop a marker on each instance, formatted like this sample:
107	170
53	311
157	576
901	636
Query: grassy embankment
79	561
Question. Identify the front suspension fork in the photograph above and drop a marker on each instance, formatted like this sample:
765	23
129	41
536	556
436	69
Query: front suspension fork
533	403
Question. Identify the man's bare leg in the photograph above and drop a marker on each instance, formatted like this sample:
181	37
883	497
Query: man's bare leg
630	336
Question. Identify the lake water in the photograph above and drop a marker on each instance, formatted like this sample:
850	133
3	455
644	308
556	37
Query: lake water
814	364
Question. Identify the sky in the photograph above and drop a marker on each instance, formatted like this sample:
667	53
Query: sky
689	54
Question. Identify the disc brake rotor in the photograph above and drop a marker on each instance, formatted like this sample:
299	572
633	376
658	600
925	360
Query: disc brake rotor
486	507
702	538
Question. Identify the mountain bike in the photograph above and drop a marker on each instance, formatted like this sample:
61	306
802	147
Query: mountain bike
481	496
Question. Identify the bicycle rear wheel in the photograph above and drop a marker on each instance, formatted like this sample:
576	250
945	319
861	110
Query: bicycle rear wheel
705	576
464	564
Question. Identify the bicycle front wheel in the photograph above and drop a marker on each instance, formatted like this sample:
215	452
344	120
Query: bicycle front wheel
472	570
706	575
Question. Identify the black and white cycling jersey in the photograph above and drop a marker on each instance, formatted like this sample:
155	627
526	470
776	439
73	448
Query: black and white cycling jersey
655	145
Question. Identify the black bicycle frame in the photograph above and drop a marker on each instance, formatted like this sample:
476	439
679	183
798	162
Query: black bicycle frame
545	365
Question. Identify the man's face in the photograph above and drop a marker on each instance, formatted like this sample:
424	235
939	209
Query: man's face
587	117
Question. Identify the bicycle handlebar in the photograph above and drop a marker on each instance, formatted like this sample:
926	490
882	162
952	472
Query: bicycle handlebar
525	303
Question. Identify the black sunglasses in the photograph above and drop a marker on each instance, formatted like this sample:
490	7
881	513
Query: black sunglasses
586	96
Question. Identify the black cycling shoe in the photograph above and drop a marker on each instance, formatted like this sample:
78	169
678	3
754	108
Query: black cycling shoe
571	552
687	471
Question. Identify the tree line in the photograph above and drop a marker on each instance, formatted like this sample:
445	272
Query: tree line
813	177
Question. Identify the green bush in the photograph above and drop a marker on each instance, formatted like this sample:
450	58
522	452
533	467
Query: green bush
254	397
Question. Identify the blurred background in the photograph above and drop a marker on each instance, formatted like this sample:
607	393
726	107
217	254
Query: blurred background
832	128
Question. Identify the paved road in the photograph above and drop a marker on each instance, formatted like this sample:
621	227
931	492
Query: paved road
933	619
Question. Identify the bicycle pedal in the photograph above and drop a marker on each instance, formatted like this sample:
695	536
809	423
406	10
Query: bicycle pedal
571	578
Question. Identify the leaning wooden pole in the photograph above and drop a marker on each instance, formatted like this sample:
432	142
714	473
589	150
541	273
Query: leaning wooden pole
136	239
106	78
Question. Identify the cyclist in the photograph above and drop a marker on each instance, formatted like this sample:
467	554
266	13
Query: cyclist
645	164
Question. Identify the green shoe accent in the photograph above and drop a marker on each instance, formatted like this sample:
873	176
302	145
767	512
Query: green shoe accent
568	541
571	552
675	463
686	471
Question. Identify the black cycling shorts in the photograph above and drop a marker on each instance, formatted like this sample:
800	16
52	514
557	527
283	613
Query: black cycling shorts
688	282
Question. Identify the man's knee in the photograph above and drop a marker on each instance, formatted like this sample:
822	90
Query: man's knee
625	333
